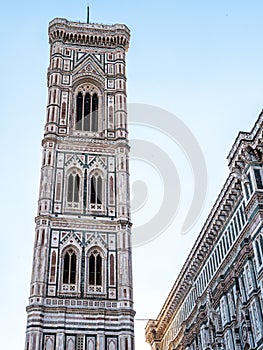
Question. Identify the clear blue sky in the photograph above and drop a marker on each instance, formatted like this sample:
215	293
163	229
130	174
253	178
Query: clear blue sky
201	60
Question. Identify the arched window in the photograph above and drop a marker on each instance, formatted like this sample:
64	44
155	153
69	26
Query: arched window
87	111
96	189
69	267
95	269
73	187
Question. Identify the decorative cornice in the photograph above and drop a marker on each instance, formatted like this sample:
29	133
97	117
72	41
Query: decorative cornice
247	148
90	34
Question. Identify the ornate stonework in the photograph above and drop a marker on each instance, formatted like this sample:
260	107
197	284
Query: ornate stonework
81	295
222	306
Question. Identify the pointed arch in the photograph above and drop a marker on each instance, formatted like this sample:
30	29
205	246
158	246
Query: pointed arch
74	188
49	344
69	266
112	345
87	109
96	267
97	194
91	344
71	344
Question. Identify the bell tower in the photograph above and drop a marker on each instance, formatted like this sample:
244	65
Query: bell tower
81	295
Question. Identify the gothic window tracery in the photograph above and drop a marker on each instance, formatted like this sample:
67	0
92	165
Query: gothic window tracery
95	269
69	267
96	191
96	262
87	108
73	187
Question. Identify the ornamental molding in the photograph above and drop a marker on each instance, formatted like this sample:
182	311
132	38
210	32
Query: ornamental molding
247	147
91	34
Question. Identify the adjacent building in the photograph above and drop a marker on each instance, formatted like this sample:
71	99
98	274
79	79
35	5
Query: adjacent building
216	301
81	294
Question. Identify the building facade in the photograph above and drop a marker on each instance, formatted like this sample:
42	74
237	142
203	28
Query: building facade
81	295
216	301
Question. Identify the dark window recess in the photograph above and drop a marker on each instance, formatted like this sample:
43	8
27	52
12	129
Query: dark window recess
87	112
73	188
99	271
93	190
69	267
258	179
76	189
95	270
92	270
258	253
96	190
70	188
79	111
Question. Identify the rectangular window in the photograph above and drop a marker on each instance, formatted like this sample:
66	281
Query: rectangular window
258	179
250	183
